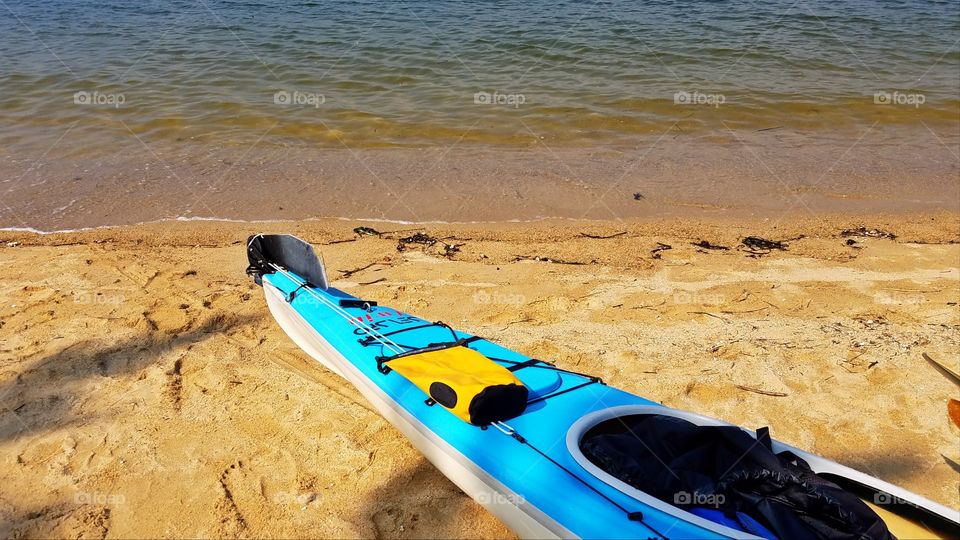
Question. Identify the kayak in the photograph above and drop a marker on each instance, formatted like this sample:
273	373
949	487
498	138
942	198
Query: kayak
558	454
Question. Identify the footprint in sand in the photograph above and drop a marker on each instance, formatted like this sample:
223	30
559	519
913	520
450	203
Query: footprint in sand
231	520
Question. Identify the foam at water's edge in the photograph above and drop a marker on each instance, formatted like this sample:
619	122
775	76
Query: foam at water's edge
230	220
38	231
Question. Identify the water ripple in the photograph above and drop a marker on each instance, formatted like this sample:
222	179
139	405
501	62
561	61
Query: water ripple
419	71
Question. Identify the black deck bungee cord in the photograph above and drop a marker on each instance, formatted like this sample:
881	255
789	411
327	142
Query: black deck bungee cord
464	342
368	341
632	516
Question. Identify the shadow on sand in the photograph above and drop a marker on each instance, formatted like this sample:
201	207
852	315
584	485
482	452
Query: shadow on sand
420	502
44	395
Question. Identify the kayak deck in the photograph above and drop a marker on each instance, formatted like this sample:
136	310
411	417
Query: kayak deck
559	399
533	459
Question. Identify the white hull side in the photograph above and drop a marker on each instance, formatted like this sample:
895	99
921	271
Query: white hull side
298	329
521	517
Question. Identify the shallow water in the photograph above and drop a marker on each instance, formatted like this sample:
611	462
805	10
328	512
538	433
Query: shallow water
80	75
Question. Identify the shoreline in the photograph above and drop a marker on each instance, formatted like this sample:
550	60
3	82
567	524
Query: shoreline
939	227
760	174
913	216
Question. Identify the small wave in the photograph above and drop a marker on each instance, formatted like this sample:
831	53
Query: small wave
537	219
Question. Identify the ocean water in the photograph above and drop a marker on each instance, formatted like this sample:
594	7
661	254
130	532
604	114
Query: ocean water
77	76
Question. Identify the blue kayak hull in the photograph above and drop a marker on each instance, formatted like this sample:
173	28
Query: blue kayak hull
542	489
517	478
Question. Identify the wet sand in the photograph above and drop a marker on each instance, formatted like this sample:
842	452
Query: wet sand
732	174
147	392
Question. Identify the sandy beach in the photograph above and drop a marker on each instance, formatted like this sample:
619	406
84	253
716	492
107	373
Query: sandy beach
146	391
746	210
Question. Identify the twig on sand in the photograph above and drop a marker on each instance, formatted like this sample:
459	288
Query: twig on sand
771	304
724	319
761	391
61	244
384	234
949	373
378	280
851	365
603	237
953	464
650	306
728	312
917	291
343	241
519	321
549	260
348	273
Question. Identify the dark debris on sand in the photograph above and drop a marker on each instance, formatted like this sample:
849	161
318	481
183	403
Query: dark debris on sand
655	252
425	240
707	245
757	246
867	233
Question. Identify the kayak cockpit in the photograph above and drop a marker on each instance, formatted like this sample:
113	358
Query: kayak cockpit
690	465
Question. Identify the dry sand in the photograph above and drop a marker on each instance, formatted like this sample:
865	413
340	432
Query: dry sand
146	392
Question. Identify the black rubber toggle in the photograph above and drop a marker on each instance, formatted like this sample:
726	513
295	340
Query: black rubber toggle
365	304
293	293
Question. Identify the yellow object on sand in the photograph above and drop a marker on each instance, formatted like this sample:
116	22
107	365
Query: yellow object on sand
473	387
